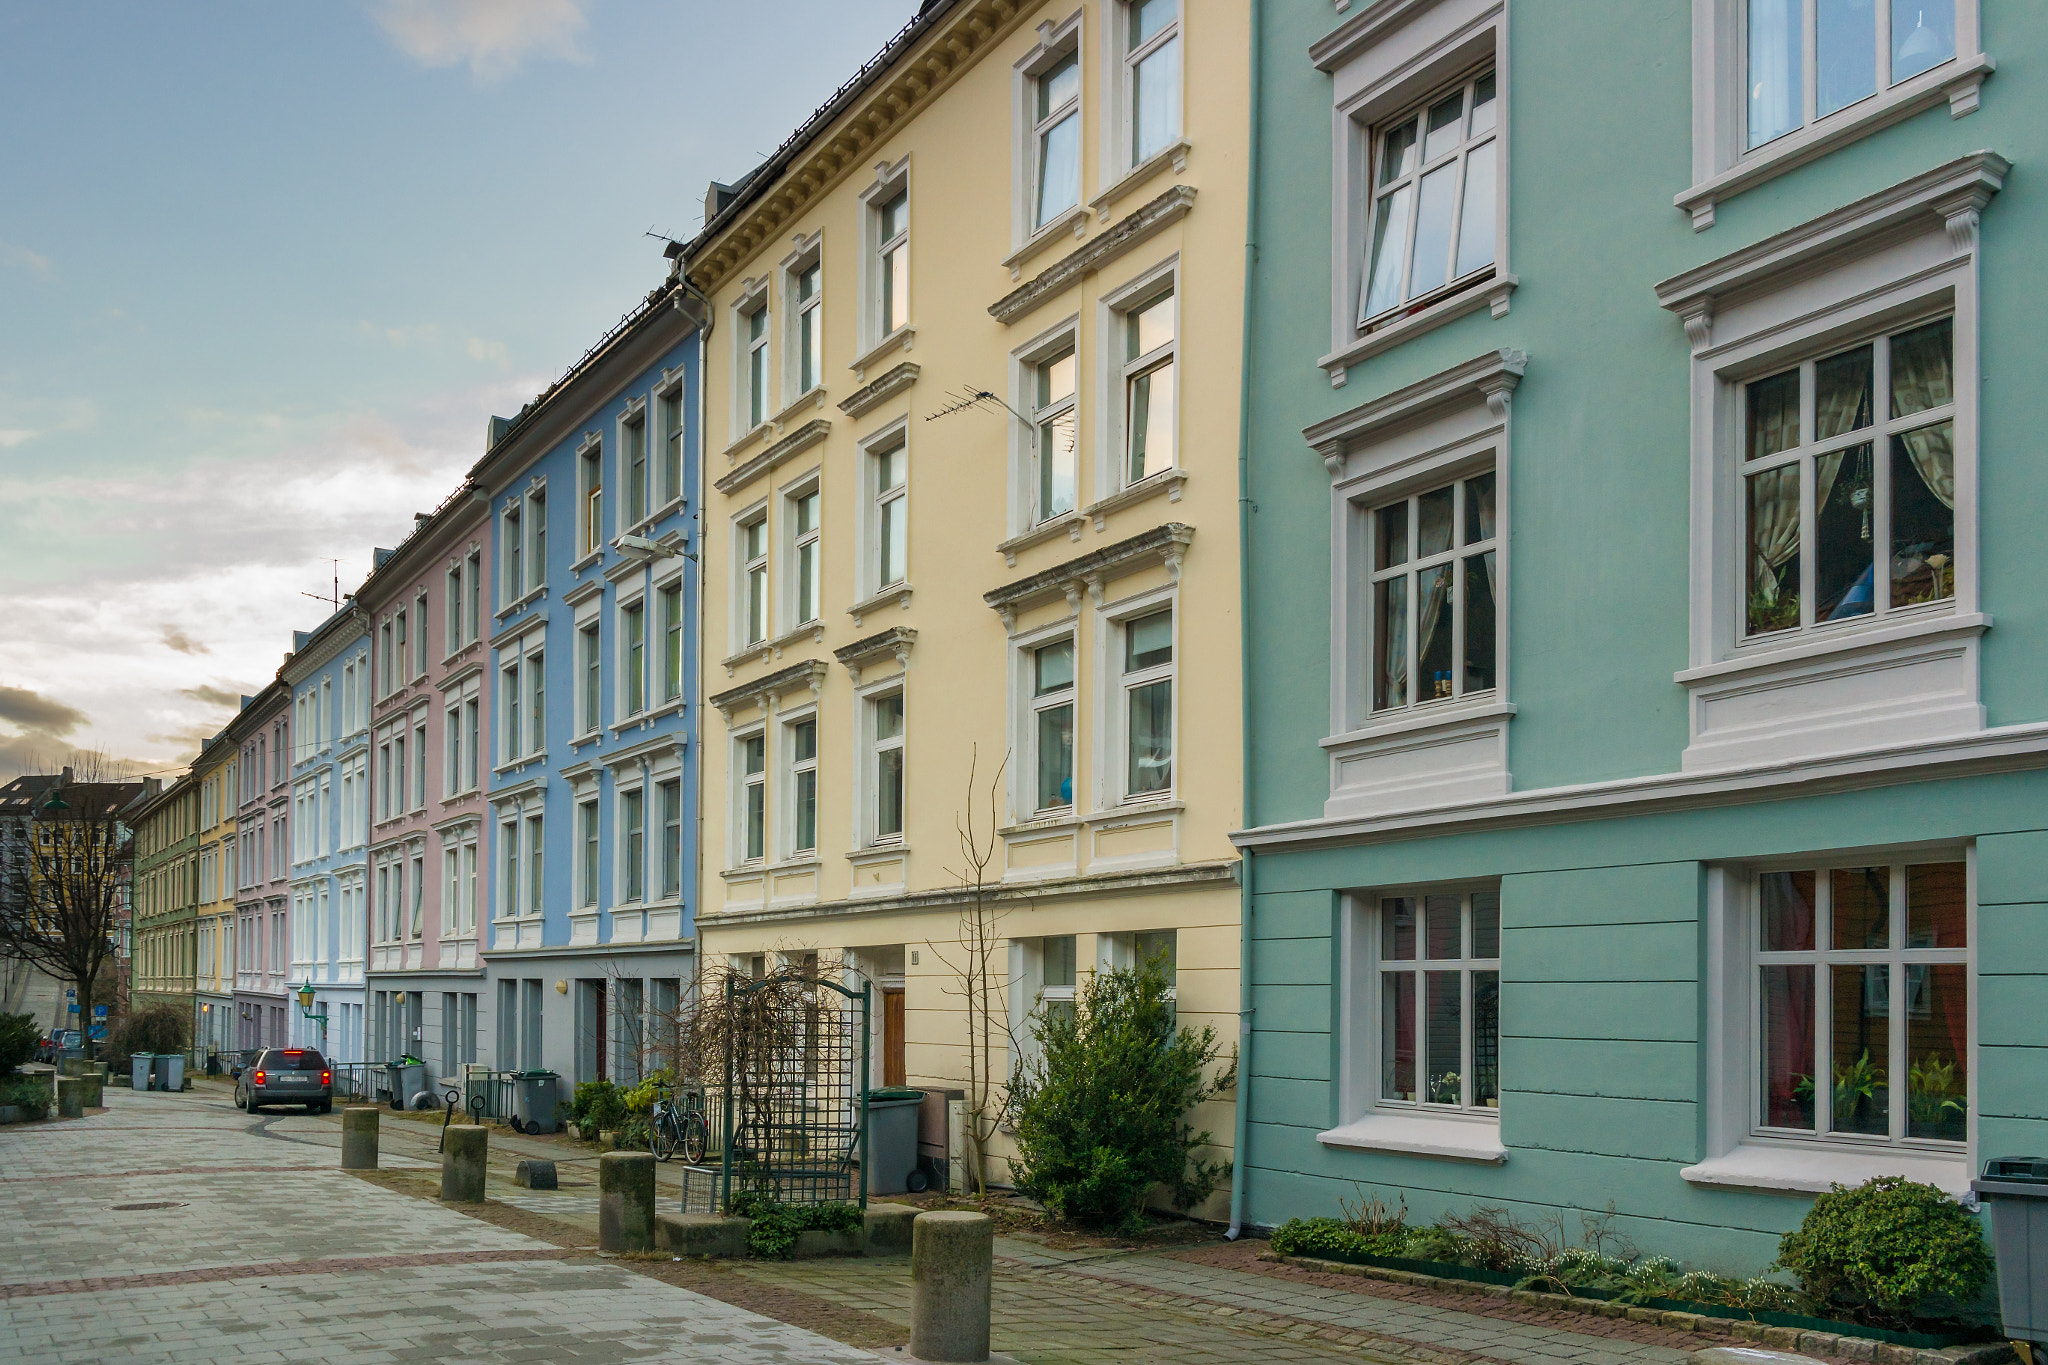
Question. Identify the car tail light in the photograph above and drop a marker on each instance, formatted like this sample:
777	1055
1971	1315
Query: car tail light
259	1078
293	1052
327	1078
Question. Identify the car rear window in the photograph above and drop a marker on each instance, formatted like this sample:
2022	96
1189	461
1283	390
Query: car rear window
294	1059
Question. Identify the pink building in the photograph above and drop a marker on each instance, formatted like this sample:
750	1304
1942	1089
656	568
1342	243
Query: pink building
262	869
427	612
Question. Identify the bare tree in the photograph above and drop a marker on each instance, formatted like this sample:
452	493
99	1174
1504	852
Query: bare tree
971	958
64	881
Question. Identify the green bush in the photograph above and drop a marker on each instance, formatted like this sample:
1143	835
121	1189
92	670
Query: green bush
18	1035
1888	1252
772	1236
634	1133
1102	1113
27	1095
159	1029
1333	1240
597	1105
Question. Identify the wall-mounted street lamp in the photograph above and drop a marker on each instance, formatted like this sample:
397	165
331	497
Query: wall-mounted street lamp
306	1006
642	548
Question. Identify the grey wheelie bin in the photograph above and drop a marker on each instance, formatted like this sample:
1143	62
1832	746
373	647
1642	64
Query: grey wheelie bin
534	1097
892	1139
2015	1189
139	1070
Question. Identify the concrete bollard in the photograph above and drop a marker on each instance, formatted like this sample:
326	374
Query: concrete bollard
463	1159
625	1201
72	1066
536	1175
70	1097
359	1137
952	1258
92	1090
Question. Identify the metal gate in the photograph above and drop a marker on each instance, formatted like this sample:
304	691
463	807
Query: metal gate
796	1082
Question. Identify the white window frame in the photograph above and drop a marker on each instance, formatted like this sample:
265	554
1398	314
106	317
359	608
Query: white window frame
452	624
793	771
1119	155
795	540
1724	165
1057	42
590	497
673	428
750	580
669	594
894	439
747	415
1379	69
635	422
588	859
589	691
659	890
419	635
1116	316
517	658
1027	363
803	318
1111	750
625	794
1907	253
1462	548
1025	707
626	674
867	701
874	313
743	784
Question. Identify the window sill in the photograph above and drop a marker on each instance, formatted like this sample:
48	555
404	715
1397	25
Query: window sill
1491	294
747	438
532	595
1425	717
1958	82
896	593
1051	822
1143	808
757	650
877	853
1175	152
1167	481
1451	1139
813	397
1069	523
1074	222
590	557
1817	645
900	339
520	764
1796	1168
815	629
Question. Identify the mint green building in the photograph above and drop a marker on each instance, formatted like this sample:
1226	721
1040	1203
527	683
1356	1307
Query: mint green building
1645	612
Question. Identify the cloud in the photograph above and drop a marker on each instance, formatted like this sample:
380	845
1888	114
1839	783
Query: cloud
479	349
33	711
21	258
401	337
183	643
494	37
229	696
10	437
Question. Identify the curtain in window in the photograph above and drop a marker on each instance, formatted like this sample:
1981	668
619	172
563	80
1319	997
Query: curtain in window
1932	451
1774	523
1396	646
1432	607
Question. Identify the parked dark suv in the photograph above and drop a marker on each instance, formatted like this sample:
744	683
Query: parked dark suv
286	1075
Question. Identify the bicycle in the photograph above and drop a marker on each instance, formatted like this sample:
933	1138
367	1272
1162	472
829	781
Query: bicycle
672	1128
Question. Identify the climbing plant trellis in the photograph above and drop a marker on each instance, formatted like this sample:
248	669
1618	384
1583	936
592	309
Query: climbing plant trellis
796	1054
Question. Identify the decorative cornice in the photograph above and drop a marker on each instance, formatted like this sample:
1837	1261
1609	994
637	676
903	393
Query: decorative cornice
895	642
1185	877
1167	209
1168	544
869	396
798	441
811	673
1492	377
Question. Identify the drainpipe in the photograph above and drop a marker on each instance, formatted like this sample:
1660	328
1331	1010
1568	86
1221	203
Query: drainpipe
1241	1125
704	327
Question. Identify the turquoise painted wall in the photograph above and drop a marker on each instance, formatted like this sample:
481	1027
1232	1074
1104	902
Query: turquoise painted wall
1602	1006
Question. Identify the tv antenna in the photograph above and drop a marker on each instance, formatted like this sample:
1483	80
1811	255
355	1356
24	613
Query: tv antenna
979	400
333	600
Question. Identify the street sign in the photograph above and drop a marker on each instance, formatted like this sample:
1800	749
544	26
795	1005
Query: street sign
71	994
72	1008
99	1011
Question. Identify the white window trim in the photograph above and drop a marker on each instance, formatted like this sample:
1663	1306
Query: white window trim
789	541
789	765
667	499
589	617
622	670
670	576
1455	422
1364	1123
868	531
1023	711
736	801
868	769
1056	41
581	863
1733	1155
1117	167
752	299
1896	255
1112	318
1723	166
1381	62
809	252
634	414
874	342
1109	754
742	521
634	782
1026	526
518	654
588	541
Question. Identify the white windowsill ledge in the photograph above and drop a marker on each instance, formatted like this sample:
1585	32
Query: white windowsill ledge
1489	292
1421	1135
1789	1168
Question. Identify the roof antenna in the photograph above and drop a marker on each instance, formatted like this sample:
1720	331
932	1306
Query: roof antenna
980	400
333	601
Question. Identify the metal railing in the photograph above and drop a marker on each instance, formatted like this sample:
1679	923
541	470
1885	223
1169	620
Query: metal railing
497	1089
358	1082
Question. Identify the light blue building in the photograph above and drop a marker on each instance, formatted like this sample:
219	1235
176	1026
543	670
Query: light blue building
592	493
1648	756
328	672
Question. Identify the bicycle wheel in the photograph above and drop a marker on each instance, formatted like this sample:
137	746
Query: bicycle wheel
661	1136
696	1138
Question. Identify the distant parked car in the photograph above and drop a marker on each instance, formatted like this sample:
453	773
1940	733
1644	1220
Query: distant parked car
286	1075
52	1048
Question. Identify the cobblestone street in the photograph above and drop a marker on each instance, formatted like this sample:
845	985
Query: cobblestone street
117	1246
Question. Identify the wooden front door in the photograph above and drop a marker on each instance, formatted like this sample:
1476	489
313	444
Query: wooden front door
892	1037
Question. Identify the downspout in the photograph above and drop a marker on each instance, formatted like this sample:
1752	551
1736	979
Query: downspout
696	702
1241	1125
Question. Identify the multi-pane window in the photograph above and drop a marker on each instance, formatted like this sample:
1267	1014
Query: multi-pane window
810	334
419	766
1149	389
1152	68
401	641
454	610
536	849
472	710
467	903
586	819
419	636
1435	562
669	801
803	786
886	717
590	529
1056	139
633	842
634	618
472	610
1052	723
1058	963
398	768
635	458
808	568
1849	483
593	678
892	514
1852	42
1862	995
671	642
1055	421
419	891
512	553
892	232
757	365
536	538
1433	198
1439	1005
754	796
671	445
754	574
508	879
510	705
1147	684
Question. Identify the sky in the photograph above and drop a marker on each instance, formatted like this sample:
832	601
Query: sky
265	272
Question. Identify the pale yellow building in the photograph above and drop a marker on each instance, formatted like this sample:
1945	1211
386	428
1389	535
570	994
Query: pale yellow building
971	426
214	927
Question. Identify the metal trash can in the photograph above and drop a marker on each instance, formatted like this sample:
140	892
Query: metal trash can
535	1095
408	1080
2016	1188
892	1139
139	1069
